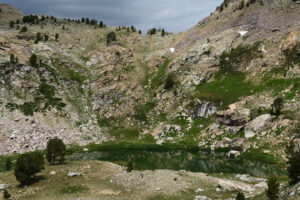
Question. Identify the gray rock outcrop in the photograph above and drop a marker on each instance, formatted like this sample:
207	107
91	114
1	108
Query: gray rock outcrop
259	124
203	110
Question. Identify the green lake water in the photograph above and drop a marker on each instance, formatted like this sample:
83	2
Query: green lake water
195	161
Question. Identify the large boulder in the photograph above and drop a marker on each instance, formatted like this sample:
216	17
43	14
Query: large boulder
203	110
202	198
233	117
235	186
257	125
4	186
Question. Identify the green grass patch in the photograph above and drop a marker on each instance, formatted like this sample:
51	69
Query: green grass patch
293	55
242	55
103	122
181	121
225	89
45	95
148	138
159	78
73	189
258	156
125	133
75	73
278	85
141	111
76	76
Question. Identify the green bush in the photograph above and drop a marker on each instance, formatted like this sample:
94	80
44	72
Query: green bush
163	33
6	195
277	106
111	38
46	37
273	188
24	29
28	108
141	111
169	84
293	55
11	24
129	166
101	24
56	36
293	163
8	164
12	58
240	196
38	37
55	151
152	31
33	60
27	166
242	5
48	91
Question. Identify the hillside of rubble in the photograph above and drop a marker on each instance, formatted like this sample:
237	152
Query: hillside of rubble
212	86
229	85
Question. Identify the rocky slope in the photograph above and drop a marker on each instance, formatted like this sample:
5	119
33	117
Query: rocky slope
214	91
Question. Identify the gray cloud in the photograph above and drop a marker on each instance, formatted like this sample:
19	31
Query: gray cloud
173	15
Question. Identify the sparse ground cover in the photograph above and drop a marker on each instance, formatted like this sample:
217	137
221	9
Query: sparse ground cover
103	180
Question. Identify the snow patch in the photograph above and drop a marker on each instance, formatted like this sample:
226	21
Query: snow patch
242	33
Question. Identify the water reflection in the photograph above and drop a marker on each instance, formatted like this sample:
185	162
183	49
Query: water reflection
195	161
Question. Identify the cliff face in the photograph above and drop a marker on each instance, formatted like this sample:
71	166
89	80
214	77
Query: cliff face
230	66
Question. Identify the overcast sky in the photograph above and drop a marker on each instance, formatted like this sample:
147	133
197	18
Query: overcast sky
172	15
